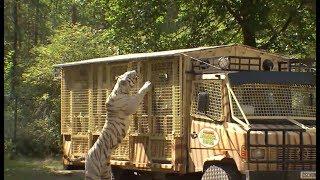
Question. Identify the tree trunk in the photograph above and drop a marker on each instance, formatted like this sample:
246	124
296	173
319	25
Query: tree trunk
14	69
249	37
74	14
36	24
248	31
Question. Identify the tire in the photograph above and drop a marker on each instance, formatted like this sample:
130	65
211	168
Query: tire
68	167
221	172
122	174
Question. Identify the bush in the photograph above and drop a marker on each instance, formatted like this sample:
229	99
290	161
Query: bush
9	147
39	138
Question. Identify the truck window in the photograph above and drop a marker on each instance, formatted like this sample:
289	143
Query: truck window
203	102
265	100
207	99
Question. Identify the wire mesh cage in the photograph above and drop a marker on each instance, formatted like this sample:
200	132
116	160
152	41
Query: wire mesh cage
275	100
98	115
79	145
65	112
84	111
161	150
214	91
122	151
79	111
166	97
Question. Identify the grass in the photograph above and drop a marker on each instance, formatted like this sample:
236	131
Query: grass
25	168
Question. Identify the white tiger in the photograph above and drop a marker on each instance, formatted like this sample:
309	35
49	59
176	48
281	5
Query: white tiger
119	105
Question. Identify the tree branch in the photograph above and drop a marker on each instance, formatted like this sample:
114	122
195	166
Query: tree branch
283	29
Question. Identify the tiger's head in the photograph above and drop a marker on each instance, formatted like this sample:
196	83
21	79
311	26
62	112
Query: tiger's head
125	82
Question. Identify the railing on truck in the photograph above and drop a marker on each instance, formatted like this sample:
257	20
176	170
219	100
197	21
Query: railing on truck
299	154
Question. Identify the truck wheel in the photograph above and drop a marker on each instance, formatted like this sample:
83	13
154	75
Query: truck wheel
122	174
65	165
221	172
68	167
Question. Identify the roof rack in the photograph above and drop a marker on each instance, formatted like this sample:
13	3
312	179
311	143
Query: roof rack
298	65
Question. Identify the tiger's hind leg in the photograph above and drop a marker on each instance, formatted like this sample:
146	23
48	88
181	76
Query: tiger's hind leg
106	173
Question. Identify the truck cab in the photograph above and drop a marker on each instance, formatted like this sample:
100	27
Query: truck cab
253	124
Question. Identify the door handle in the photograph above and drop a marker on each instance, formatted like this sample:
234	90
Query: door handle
194	135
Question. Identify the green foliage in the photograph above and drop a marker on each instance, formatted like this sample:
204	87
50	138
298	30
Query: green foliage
69	43
7	72
39	138
9	147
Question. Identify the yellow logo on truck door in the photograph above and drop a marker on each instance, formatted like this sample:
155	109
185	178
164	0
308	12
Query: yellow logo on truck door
208	137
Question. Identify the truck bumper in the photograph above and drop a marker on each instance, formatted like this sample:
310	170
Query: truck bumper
280	175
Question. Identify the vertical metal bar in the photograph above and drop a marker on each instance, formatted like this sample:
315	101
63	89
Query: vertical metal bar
71	111
175	81
266	137
248	145
289	65
301	148
267	148
283	148
148	69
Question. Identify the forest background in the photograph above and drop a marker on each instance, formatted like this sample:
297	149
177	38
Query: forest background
41	33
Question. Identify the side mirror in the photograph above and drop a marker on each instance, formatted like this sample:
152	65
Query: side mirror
203	102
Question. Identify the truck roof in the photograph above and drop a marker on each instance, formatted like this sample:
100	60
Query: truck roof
150	55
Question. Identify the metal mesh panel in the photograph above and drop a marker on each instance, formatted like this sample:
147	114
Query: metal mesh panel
79	145
275	100
163	125
98	109
80	103
122	151
213	88
80	109
83	107
65	112
161	149
80	124
177	99
166	97
162	85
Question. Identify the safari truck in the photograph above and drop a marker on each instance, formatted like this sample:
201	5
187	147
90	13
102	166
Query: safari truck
229	111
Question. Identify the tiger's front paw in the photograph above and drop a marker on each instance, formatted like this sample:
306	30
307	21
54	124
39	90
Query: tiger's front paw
145	88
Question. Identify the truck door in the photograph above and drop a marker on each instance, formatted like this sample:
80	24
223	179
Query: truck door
206	117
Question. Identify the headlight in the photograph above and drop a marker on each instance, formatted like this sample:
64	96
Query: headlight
257	153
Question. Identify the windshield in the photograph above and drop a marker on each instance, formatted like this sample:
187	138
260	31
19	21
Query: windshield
273	100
